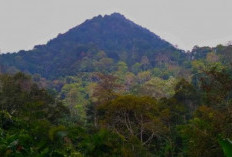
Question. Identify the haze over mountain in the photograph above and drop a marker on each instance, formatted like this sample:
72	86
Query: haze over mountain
116	37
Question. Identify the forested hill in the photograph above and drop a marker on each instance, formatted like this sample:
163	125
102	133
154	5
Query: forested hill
97	43
109	87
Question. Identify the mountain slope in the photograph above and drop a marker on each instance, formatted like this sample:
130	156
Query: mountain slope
112	37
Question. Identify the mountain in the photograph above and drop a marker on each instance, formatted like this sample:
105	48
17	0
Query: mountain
103	40
112	34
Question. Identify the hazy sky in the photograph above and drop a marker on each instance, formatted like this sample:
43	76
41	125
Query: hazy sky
25	23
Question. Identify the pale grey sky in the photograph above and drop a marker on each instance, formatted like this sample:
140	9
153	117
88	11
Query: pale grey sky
25	23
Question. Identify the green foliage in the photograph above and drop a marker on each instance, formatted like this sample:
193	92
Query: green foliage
201	133
226	144
104	143
134	117
74	97
158	88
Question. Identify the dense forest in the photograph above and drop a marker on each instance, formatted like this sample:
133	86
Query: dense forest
109	87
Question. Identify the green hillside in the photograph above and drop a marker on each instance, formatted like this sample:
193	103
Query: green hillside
111	88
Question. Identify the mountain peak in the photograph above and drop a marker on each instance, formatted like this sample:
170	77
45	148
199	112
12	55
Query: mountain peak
114	34
117	15
111	16
115	28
